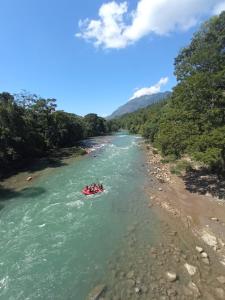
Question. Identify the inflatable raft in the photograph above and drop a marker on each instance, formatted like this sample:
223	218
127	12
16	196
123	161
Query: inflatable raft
88	192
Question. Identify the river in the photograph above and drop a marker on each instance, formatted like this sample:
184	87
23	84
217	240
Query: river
58	244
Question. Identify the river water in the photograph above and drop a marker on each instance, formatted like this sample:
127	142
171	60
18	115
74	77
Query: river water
58	244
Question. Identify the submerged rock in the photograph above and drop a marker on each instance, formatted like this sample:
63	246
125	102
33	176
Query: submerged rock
97	292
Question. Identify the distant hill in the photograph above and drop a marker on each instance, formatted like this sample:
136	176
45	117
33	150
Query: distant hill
138	103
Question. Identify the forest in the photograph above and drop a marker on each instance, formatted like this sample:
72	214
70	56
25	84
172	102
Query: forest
31	126
192	120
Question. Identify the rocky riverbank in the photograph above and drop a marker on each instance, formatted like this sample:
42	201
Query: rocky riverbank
185	261
201	216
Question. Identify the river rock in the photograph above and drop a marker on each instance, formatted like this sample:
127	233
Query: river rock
137	290
221	279
220	293
191	269
29	178
204	255
130	275
215	219
171	276
199	249
209	239
97	292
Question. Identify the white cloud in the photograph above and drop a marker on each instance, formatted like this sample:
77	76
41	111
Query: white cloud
219	8
117	27
150	90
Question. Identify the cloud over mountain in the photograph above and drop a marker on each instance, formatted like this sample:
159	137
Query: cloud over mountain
156	88
117	27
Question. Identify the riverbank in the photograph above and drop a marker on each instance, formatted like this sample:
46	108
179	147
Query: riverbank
198	217
31	170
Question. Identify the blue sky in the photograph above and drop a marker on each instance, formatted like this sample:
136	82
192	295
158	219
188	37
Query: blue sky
40	53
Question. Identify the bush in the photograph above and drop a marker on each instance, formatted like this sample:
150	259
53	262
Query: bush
168	159
180	167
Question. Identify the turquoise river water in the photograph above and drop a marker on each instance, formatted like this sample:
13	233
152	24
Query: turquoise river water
56	243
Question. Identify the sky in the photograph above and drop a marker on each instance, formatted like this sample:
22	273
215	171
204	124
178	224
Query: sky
95	55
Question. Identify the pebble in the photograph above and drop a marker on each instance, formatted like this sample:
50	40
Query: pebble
191	269
171	276
29	178
137	290
215	219
199	249
160	189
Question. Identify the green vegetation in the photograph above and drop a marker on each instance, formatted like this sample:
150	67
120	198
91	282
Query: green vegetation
180	167
31	127
192	121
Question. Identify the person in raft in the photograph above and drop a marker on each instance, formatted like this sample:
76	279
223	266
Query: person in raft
94	187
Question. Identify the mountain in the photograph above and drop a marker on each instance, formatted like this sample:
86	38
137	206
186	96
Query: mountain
138	103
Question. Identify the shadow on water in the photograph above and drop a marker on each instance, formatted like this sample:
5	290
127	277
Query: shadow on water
29	192
200	181
33	165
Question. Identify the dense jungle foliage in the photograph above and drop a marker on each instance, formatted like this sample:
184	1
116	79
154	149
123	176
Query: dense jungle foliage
31	126
192	120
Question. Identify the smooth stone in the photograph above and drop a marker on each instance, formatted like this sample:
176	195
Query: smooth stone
97	292
29	178
199	249
215	219
171	276
160	189
220	293
191	269
204	255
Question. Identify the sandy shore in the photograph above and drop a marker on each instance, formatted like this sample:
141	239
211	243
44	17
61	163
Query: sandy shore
198	217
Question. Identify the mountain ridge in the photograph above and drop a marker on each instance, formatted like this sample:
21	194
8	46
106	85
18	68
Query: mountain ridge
138	103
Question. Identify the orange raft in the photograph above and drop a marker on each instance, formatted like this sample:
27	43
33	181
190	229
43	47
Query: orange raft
97	190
